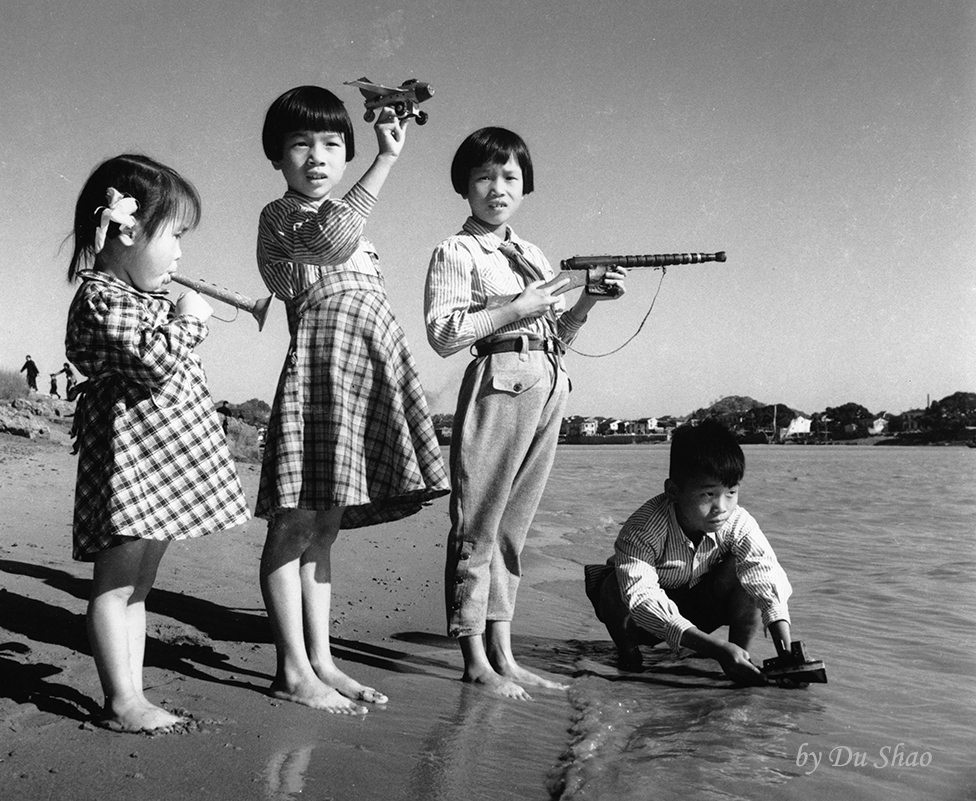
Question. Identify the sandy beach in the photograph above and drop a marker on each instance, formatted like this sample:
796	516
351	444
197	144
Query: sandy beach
209	652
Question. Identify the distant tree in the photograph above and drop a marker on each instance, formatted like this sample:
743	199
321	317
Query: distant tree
442	420
846	414
763	417
254	412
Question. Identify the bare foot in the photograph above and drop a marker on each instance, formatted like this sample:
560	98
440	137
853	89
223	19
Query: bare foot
138	716
522	676
348	686
497	684
316	695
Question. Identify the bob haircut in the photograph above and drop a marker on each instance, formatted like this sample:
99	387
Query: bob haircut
305	108
490	146
707	450
163	196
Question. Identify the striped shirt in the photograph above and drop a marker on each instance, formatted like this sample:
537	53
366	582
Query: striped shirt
467	274
297	238
653	554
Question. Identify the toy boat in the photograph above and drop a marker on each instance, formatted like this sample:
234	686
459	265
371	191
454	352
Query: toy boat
796	667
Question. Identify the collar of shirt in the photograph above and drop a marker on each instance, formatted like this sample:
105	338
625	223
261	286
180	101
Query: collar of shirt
487	238
675	530
107	278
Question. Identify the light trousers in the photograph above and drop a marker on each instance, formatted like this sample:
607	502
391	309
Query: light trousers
506	428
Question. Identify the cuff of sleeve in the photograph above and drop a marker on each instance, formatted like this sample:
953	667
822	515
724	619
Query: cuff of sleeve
675	631
360	199
481	324
570	323
196	329
774	613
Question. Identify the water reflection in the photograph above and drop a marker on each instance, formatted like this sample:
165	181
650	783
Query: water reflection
284	777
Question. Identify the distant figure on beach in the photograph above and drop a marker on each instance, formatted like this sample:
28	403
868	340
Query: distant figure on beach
153	465
69	380
32	372
692	560
350	441
54	386
511	401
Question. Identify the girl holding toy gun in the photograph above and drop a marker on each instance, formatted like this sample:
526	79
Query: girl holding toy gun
511	400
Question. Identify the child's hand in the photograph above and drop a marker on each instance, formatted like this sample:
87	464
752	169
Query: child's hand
738	666
192	303
390	132
536	299
615	278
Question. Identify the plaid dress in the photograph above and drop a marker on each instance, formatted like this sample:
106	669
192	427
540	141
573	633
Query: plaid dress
350	424
152	459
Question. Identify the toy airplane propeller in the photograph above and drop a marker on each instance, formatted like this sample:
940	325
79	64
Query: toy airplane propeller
404	98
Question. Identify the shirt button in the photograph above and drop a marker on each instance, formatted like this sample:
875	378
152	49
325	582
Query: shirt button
464	557
517	387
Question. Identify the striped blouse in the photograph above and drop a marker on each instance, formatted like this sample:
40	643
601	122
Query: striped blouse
297	238
652	554
467	273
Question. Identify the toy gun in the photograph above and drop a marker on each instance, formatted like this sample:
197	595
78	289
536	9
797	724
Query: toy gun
596	268
795	667
589	271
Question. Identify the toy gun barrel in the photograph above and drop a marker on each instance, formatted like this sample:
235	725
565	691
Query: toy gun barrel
656	260
256	308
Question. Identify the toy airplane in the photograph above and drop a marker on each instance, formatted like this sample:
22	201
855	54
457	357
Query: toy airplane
404	98
795	668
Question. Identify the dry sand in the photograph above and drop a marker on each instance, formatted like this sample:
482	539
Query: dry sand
209	653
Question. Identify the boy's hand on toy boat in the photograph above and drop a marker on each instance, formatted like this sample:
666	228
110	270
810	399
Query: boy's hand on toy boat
739	667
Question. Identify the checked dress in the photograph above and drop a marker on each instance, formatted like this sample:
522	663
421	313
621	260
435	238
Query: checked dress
350	425
153	462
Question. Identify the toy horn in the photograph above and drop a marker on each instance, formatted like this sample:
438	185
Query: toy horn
257	308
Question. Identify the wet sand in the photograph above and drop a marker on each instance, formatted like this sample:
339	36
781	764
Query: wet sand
209	652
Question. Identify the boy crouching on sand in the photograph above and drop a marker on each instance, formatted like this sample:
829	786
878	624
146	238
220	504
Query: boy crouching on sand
691	560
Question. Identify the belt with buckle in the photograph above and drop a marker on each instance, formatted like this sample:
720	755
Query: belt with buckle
518	345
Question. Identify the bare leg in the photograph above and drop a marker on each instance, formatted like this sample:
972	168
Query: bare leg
316	579
478	670
116	622
499	640
745	621
287	576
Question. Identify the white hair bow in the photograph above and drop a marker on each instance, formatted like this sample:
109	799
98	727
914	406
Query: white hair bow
120	209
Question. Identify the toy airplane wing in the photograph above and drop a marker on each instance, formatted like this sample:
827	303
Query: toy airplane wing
404	98
370	89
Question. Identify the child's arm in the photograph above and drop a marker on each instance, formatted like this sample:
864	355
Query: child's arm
733	659
390	135
571	322
115	335
455	318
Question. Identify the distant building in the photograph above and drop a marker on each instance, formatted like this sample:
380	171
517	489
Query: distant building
582	427
636	427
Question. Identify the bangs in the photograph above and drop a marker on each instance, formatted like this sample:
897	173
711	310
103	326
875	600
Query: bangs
306	108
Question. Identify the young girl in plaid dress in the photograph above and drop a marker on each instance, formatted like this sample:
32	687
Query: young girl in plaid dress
153	465
350	441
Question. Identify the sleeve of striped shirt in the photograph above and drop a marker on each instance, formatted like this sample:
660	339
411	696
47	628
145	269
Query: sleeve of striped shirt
758	569
455	318
290	232
640	545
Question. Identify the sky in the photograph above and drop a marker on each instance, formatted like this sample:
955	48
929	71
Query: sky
828	146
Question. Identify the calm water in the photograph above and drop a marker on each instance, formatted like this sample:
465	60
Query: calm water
879	546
